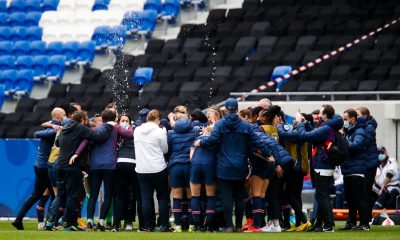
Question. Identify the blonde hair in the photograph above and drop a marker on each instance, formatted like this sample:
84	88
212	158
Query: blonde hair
216	110
180	109
153	115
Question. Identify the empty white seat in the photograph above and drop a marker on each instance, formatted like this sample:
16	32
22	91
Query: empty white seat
66	5
48	18
98	18
118	5
84	5
67	33
66	17
51	33
84	33
136	5
82	17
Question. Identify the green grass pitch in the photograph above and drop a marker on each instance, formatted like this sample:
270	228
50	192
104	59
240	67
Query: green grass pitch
7	232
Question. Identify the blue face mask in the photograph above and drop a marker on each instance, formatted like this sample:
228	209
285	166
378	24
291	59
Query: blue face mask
382	157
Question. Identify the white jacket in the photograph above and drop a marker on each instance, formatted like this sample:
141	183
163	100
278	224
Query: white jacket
392	167
150	146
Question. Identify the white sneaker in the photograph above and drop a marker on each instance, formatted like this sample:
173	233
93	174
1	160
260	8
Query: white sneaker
128	227
276	229
267	228
271	229
40	226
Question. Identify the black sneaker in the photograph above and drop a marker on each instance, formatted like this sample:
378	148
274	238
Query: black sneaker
362	228
18	225
329	229
89	226
100	228
348	226
114	229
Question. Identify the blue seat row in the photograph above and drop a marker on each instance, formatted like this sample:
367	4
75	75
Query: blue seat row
17	83
108	38
28	5
186	3
75	52
43	67
21	33
20	19
168	10
140	22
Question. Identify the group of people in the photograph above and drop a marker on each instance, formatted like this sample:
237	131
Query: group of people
250	162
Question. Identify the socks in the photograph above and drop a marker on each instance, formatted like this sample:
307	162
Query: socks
101	222
196	210
177	210
286	216
258	211
40	208
275	222
248	209
210	211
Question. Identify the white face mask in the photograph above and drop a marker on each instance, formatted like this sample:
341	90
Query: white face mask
124	125
346	124
382	157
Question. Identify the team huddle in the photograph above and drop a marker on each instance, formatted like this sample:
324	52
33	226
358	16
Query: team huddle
250	162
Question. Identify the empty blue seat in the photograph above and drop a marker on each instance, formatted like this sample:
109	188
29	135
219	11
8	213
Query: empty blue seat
23	62
100	38
116	39
143	75
32	18
100	5
56	68
7	79
70	50
54	48
34	33
5	33
143	22
21	48
16	19
6	48
17	33
86	51
49	5
171	9
39	66
279	71
3	19
155	5
37	48
7	62
16	6
3	5
24	82
32	5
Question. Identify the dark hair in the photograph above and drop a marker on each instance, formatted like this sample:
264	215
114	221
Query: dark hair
271	112
352	113
364	111
255	111
110	105
328	110
198	115
154	115
245	112
126	115
78	116
316	111
108	115
68	108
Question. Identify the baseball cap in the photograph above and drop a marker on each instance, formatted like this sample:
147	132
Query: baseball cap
231	105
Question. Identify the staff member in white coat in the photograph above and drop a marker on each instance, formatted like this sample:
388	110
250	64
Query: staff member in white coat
150	146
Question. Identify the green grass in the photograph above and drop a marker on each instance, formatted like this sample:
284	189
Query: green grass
7	232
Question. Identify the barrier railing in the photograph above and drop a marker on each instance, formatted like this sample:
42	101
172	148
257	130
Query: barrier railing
332	95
